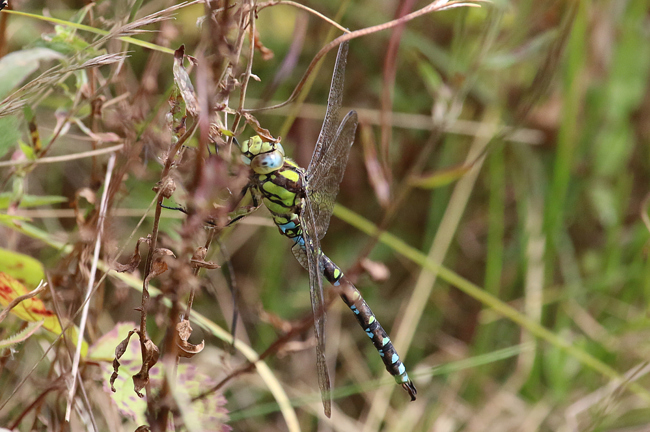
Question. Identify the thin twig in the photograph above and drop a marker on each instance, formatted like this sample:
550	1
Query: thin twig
64	158
15	302
91	279
307	8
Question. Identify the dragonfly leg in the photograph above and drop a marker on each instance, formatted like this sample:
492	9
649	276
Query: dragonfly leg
367	320
244	211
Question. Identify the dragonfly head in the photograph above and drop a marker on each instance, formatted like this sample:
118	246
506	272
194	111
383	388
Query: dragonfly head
263	157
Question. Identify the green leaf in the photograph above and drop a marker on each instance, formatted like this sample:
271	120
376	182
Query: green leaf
27	150
17	66
26	269
22	335
208	412
10	134
31	200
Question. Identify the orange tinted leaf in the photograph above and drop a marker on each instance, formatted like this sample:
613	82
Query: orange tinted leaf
33	309
30	310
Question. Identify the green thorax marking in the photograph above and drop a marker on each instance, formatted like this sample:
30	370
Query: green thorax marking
282	191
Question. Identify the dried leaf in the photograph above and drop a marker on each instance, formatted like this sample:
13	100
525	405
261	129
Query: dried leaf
120	349
151	354
167	186
263	133
183	82
210	265
157	268
183	333
134	262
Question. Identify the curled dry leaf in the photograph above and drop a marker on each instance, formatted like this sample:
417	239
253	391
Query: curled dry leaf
183	333
263	133
134	262
150	358
210	265
120	349
161	252
167	187
200	253
157	268
183	82
198	260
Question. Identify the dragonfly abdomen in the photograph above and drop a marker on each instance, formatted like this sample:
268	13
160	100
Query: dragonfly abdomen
368	321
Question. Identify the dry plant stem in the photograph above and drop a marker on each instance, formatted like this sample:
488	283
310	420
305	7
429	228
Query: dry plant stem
71	323
15	302
65	158
433	7
247	20
154	237
91	281
249	64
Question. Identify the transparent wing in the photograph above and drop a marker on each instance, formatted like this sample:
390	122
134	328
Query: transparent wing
324	178
309	258
331	121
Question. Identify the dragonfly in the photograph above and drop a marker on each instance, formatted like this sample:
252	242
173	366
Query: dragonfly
301	204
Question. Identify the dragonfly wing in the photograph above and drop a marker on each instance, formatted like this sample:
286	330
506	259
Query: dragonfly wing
324	179
334	100
309	257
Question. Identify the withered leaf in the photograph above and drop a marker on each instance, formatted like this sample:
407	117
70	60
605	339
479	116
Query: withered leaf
182	80
150	358
183	333
134	262
167	187
120	349
211	265
157	268
263	133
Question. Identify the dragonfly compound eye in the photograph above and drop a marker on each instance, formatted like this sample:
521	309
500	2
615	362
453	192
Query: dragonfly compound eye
268	162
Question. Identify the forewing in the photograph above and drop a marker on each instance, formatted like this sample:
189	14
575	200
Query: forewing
309	257
324	178
331	121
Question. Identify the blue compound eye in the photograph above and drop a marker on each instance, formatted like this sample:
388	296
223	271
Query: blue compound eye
279	148
268	162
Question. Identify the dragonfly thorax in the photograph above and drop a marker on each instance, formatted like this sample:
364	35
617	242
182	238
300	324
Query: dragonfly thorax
262	156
